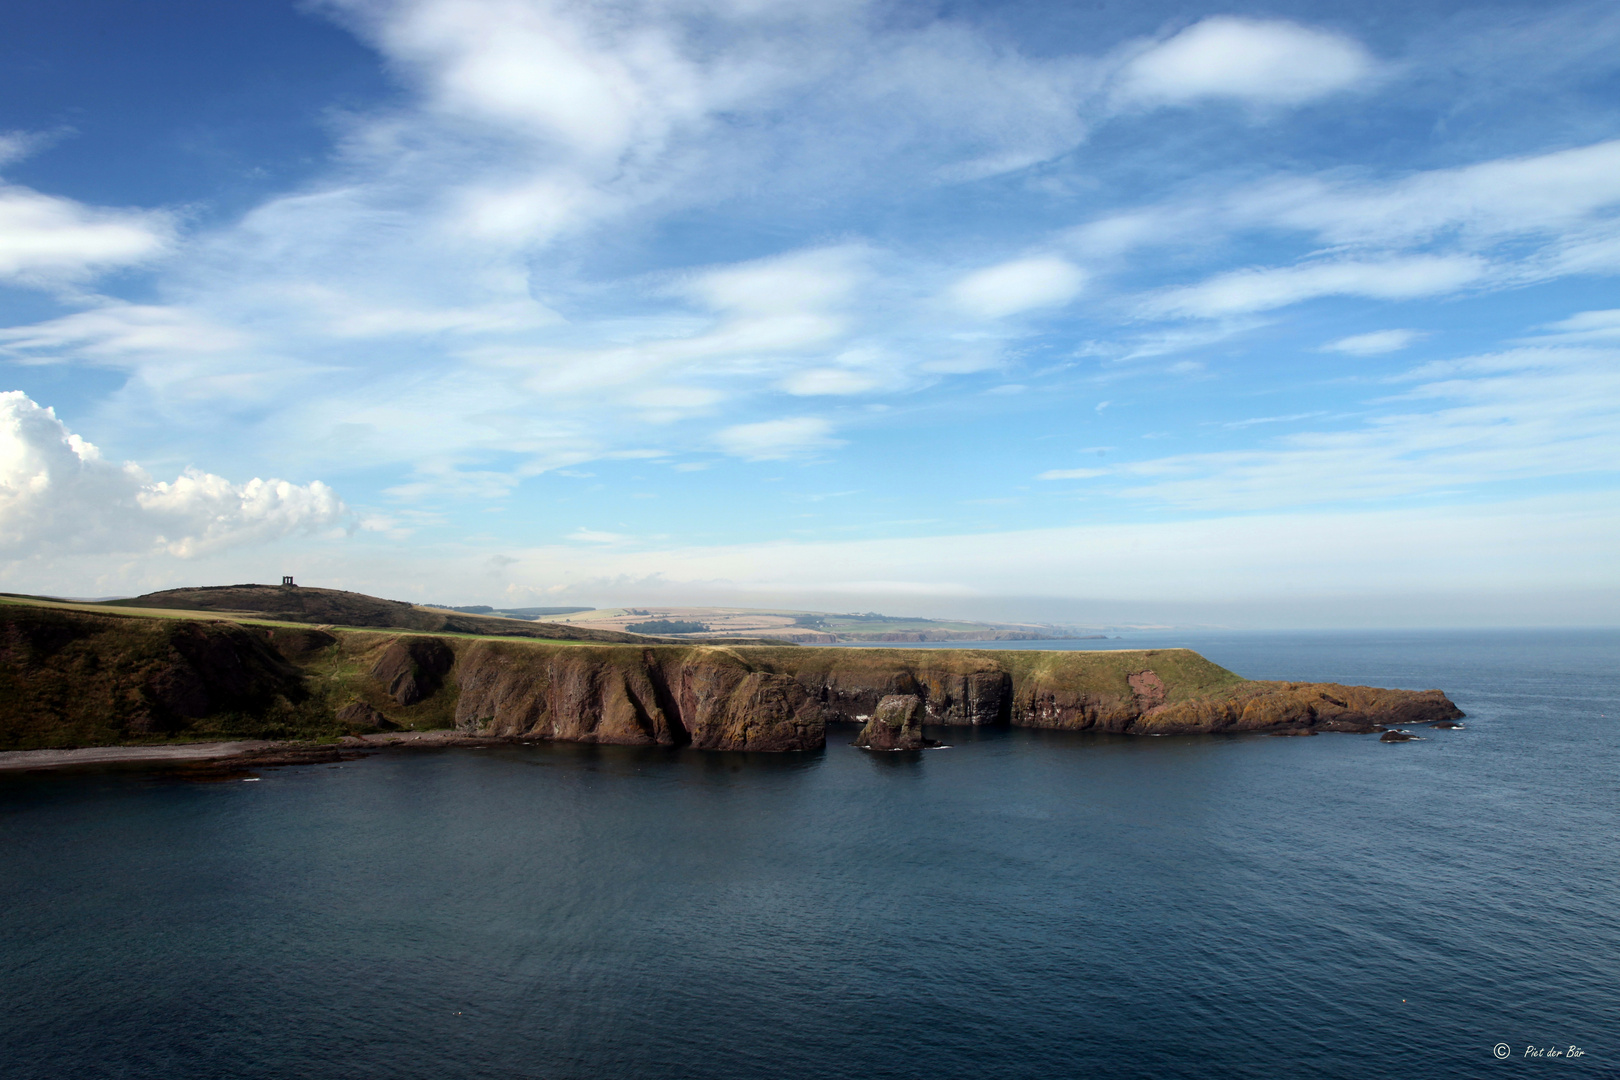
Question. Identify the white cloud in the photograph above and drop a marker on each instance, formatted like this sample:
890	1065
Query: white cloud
1260	61
1586	326
1471	205
17	145
1506	197
776	439
544	67
119	331
1255	421
57	497
1073	474
582	535
44	238
1495	224
827	381
1240	292
1020	285
1524	414
817	279
1376	343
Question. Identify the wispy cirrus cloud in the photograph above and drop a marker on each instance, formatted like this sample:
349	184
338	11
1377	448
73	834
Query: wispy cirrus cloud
1243	292
773	440
1496	224
1375	342
1457	425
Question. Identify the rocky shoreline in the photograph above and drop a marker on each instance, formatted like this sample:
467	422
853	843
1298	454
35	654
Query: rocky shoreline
221	759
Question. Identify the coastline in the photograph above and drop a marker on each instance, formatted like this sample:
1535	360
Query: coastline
11	760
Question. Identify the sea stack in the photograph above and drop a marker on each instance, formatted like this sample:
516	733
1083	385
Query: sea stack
896	725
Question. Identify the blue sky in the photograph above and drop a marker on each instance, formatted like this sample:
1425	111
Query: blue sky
1278	314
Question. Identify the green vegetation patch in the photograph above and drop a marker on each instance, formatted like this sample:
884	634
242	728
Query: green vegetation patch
77	679
667	626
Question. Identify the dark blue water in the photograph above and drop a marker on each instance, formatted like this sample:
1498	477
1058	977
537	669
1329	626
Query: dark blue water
1024	904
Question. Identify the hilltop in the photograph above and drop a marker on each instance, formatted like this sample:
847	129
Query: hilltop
336	607
810	627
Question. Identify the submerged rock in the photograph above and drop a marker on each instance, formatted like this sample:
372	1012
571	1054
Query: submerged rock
897	725
1396	736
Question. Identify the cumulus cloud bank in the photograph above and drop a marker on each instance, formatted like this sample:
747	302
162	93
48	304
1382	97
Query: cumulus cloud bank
58	496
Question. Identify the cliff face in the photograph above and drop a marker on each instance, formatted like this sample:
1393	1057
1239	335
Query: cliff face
73	678
641	696
68	679
776	699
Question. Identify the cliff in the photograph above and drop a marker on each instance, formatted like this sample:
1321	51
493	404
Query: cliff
78	678
72	679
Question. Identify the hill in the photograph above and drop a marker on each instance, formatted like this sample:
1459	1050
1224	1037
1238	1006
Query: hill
813	627
336	607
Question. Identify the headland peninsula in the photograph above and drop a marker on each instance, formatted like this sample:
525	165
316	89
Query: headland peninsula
296	668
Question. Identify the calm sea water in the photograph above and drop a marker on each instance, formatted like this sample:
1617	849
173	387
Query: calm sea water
1023	904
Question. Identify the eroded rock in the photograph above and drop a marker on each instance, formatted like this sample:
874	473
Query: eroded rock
413	668
361	714
896	725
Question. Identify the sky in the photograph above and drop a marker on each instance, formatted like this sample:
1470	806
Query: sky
1272	315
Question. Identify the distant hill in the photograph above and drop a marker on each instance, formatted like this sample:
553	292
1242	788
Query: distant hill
334	607
810	627
510	612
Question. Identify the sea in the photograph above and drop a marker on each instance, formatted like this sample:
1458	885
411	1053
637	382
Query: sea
1023	904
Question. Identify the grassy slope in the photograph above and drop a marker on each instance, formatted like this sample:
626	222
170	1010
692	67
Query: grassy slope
82	679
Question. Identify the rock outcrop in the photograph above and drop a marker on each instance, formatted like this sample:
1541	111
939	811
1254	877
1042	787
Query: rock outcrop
1268	706
413	668
896	725
359	714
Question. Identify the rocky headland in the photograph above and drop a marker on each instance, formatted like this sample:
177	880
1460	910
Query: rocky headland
96	678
